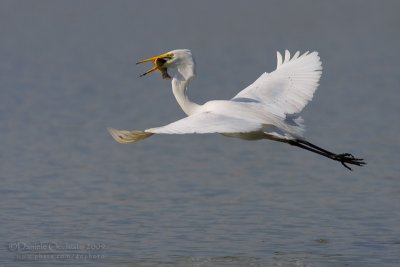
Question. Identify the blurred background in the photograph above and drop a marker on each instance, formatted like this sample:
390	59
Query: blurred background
67	72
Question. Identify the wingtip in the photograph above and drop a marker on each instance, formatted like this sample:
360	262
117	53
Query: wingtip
278	59
126	137
287	56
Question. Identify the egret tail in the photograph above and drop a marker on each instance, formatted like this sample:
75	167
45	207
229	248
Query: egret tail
126	137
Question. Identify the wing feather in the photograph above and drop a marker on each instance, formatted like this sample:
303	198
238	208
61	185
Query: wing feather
290	87
208	122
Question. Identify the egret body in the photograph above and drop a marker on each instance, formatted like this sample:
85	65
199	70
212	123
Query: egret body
267	109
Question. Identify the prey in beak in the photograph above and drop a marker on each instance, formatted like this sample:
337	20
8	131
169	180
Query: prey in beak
159	64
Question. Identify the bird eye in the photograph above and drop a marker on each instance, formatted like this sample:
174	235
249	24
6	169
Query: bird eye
170	55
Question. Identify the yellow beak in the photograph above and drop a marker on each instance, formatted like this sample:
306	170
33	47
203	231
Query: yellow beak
158	62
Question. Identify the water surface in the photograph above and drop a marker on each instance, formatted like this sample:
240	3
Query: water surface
67	72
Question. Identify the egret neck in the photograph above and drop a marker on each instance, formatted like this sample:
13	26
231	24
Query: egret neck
180	82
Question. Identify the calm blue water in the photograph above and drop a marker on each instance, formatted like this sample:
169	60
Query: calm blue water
70	195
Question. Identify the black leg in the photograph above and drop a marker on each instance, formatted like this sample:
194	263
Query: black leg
342	158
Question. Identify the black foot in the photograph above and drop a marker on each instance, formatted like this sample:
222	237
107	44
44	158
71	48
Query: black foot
349	159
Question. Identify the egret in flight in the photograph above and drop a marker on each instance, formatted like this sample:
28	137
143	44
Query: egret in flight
267	109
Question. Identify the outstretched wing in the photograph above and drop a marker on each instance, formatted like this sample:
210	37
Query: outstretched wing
201	123
208	122
290	87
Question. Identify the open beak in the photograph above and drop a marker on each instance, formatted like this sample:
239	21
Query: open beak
158	62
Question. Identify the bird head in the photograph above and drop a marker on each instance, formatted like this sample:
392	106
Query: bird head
180	59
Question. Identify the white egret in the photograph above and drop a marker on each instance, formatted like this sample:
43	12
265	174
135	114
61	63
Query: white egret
267	109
